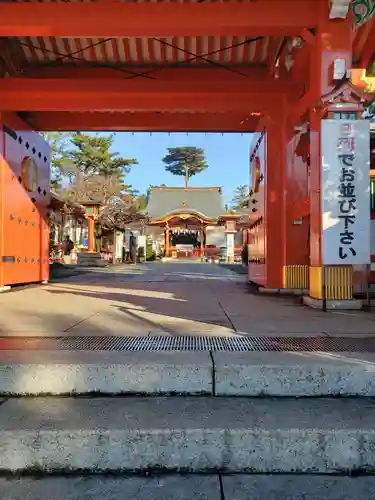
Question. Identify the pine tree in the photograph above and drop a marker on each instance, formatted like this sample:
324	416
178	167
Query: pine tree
240	197
186	161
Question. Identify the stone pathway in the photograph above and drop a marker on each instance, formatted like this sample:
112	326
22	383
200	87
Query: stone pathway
166	298
143	415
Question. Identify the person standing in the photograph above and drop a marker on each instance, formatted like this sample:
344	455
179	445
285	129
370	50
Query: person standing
133	249
123	252
68	247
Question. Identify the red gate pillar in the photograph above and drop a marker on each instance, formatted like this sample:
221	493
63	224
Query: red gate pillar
166	241
2	197
275	203
202	246
333	42
267	235
296	268
91	233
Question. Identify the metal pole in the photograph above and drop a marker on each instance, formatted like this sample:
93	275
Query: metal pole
368	291
324	290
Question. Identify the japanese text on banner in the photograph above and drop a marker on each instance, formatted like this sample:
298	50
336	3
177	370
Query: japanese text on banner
347	193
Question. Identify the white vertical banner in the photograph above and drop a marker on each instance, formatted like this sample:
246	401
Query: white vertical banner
345	192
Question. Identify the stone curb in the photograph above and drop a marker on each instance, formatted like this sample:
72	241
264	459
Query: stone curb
158	487
187	434
190	487
294	374
223	374
61	373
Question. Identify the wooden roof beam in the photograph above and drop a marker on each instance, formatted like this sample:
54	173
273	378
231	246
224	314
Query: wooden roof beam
261	86
24	94
149	122
104	101
179	73
301	69
364	42
368	51
120	19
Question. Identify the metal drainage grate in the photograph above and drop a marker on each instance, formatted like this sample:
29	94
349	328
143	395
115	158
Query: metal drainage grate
190	343
239	344
153	343
196	343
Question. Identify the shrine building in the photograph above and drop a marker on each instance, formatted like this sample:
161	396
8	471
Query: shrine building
192	222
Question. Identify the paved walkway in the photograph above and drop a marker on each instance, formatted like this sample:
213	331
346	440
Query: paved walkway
166	298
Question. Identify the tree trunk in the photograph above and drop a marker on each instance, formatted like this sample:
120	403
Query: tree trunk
186	176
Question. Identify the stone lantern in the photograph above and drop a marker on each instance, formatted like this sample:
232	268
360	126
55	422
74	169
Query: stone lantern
230	224
91	258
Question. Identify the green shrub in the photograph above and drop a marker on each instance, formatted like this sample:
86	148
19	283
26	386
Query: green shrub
150	254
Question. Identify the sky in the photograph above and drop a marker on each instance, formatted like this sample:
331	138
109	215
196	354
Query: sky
227	156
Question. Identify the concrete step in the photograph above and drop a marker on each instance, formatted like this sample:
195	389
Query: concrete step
194	434
190	487
218	373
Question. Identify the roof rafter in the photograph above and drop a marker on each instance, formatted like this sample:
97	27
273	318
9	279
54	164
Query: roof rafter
10	57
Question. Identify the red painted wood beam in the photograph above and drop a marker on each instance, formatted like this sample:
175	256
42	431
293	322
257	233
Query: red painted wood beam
362	39
368	52
23	94
260	86
158	122
272	52
120	19
297	109
300	73
14	99
209	73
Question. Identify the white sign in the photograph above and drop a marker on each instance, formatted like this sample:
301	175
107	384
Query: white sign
119	241
230	244
345	192
141	240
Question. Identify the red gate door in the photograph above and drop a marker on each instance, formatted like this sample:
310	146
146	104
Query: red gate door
26	197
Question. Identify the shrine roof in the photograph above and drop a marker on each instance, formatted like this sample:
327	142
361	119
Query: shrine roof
59	203
165	201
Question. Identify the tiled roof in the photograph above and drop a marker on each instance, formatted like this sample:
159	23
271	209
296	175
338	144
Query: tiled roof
164	201
57	203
